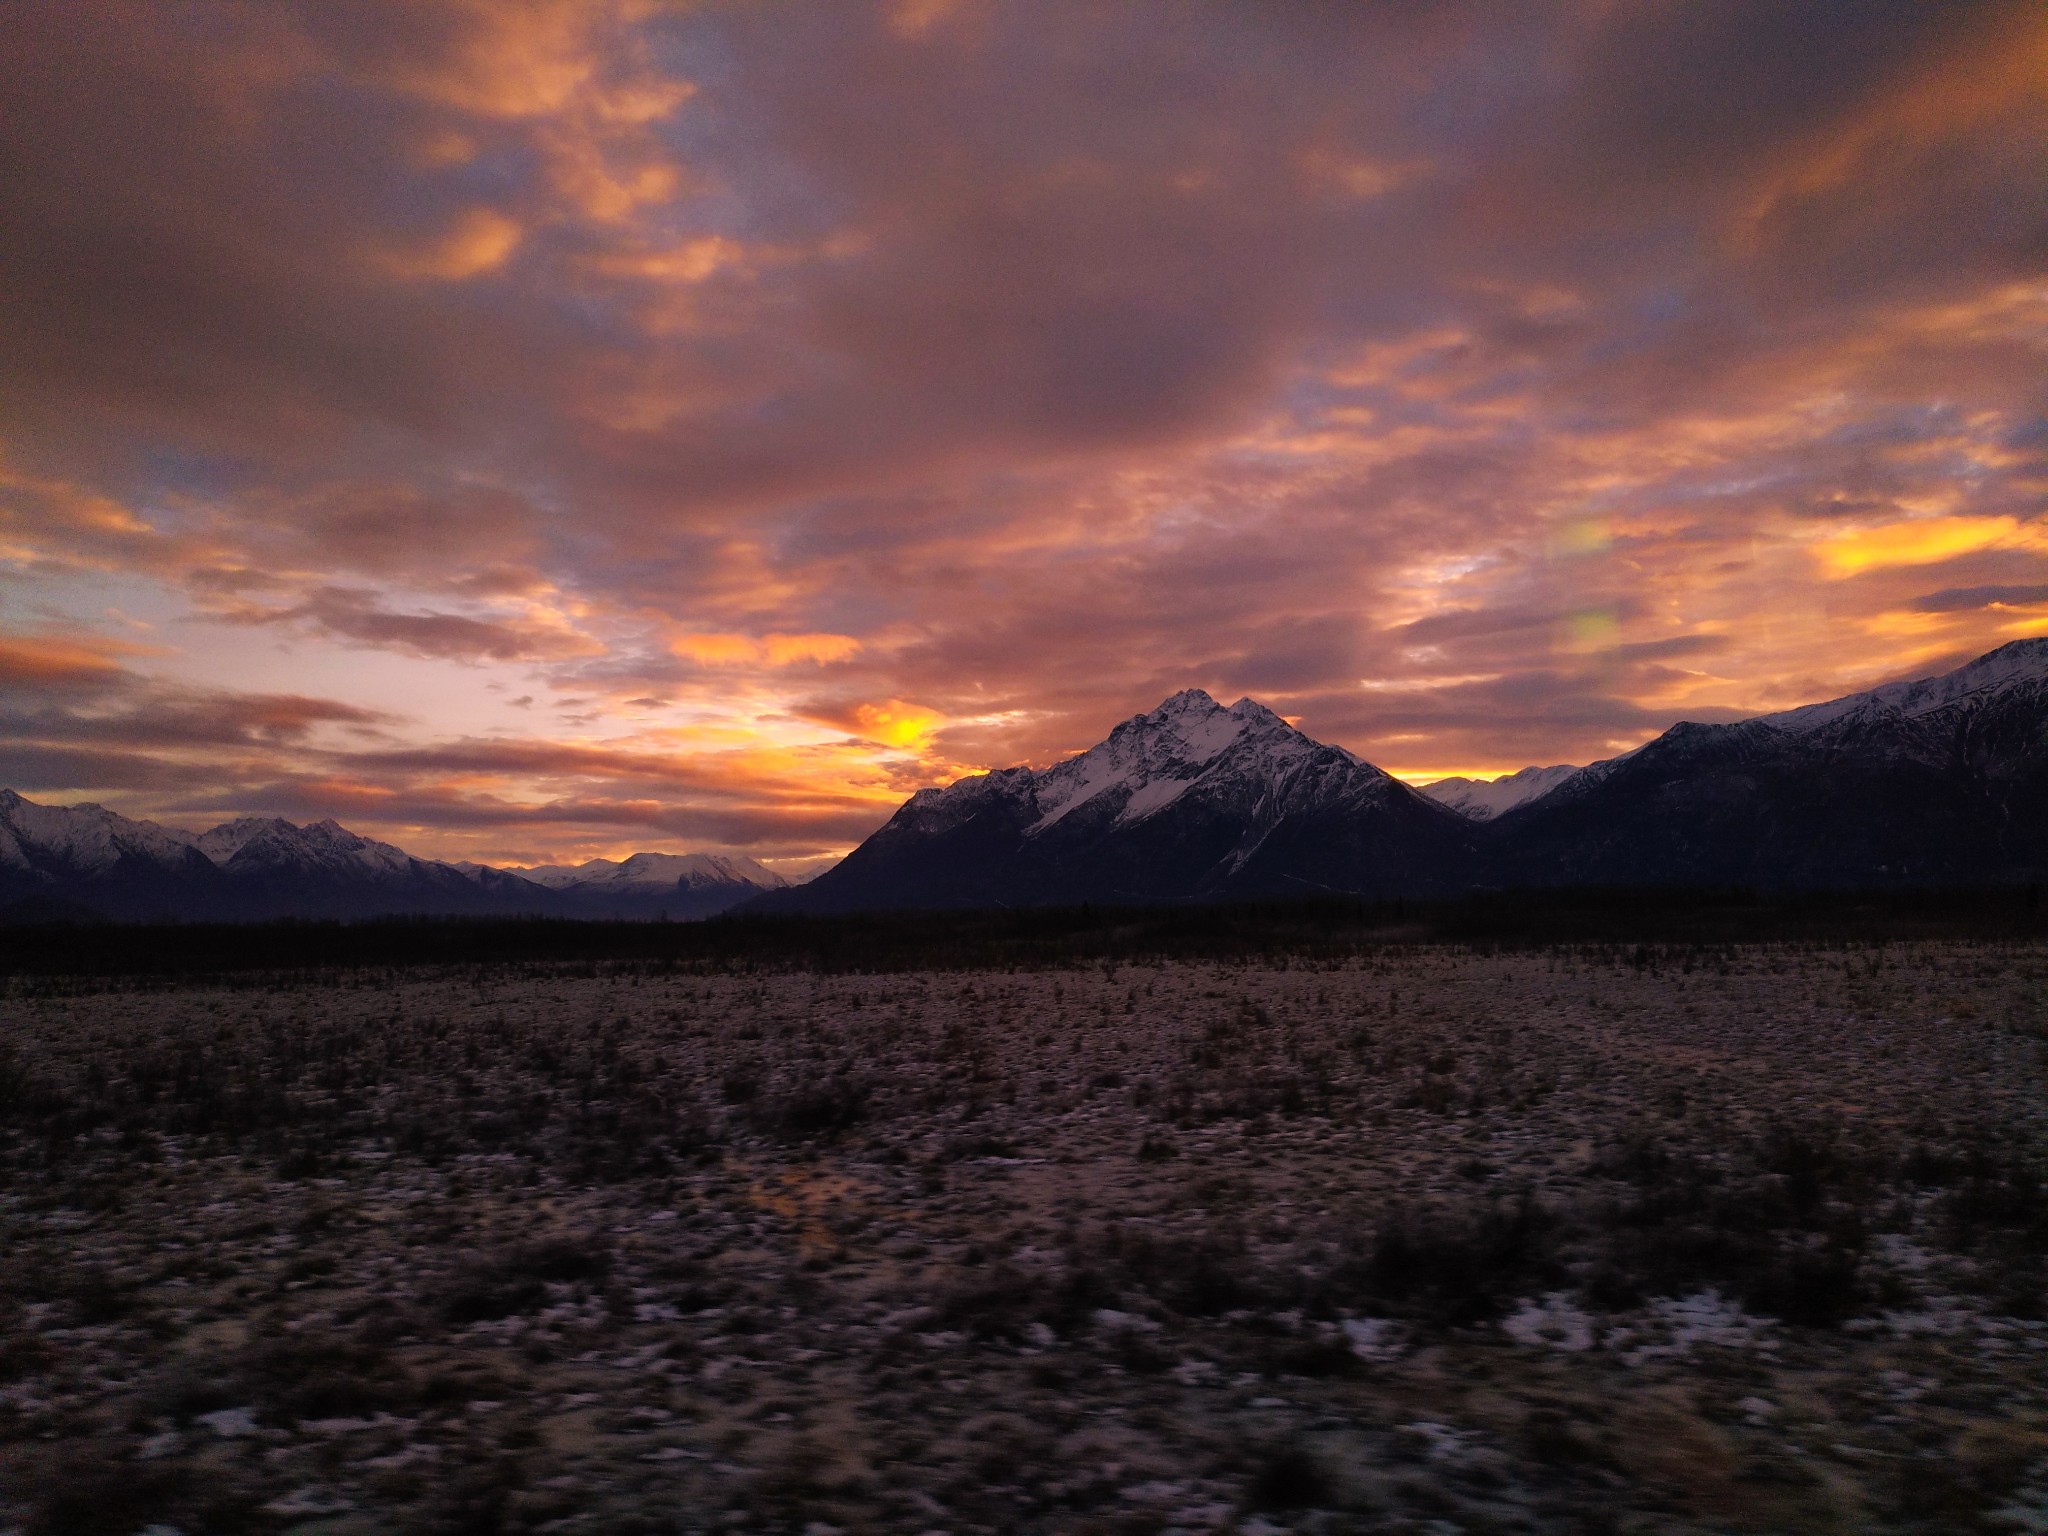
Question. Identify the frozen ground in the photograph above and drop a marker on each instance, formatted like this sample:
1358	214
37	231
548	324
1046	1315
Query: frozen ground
1431	1241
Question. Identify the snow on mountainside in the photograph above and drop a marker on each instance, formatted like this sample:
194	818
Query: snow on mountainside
1152	759
1483	799
2018	665
82	838
651	870
1143	766
274	843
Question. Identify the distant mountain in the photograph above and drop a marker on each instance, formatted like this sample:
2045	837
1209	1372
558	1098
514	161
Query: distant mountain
1941	781
1938	781
87	860
1484	799
654	885
1190	802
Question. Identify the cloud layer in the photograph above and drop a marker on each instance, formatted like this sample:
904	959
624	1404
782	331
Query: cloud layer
562	428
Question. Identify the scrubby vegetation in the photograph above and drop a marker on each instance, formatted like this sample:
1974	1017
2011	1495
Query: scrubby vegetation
1671	1237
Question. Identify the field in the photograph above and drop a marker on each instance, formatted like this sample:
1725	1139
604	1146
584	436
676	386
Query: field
1430	1238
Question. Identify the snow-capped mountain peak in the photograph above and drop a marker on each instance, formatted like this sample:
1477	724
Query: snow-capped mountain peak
1484	799
1152	758
650	871
2020	665
230	837
274	843
1244	753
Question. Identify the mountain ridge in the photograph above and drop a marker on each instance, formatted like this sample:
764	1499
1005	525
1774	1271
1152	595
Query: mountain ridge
2018	663
1927	779
91	859
1938	780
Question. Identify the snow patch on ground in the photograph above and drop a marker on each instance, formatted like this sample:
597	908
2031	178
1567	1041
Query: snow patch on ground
1372	1338
1690	1322
1552	1323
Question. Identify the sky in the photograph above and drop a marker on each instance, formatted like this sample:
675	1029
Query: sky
529	431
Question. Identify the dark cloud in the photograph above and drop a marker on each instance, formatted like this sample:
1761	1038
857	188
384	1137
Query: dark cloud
1964	599
30	767
1677	645
356	614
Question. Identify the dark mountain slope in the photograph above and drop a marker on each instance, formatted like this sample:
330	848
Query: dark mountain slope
1190	802
1942	781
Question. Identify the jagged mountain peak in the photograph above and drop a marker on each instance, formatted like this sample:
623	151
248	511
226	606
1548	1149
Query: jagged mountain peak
2020	666
277	837
1253	712
325	848
223	842
1146	760
86	837
1151	759
1198	704
1187	701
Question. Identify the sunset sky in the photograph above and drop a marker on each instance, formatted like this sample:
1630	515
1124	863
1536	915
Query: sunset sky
535	431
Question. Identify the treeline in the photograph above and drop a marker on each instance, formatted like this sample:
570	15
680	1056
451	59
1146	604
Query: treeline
1305	930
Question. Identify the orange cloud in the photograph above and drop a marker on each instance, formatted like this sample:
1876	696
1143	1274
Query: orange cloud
481	240
537	632
773	650
1924	541
507	61
690	262
1351	176
912	19
49	662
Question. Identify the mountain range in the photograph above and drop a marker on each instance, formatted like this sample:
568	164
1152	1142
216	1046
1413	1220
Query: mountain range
1941	781
84	860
